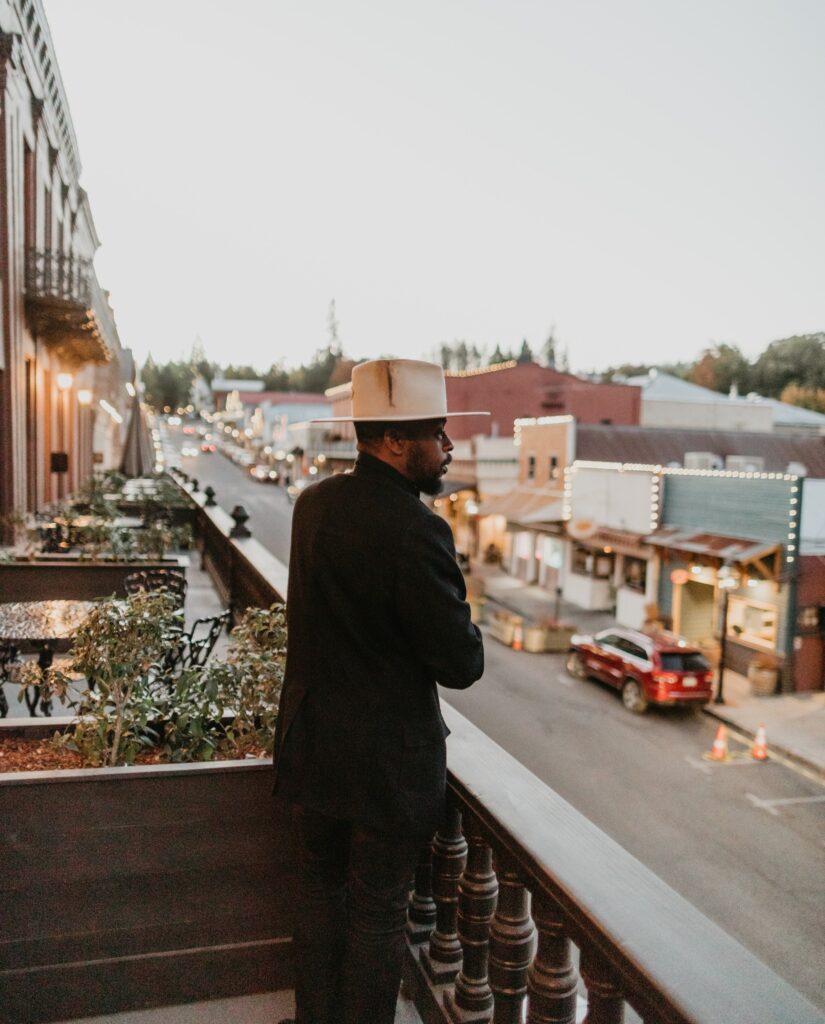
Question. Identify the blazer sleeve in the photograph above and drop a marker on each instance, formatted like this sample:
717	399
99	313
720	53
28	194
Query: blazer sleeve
434	614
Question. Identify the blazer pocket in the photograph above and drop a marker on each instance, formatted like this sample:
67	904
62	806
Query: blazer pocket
422	734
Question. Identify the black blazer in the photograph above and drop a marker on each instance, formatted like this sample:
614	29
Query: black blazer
377	614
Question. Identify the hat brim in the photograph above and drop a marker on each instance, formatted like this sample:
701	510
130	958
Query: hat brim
396	419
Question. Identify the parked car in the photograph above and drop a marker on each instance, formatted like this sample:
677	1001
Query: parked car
658	669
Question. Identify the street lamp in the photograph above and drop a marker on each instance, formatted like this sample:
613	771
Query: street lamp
64	381
728	577
84	396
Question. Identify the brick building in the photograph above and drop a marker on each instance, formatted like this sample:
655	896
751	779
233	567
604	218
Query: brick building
64	379
514	391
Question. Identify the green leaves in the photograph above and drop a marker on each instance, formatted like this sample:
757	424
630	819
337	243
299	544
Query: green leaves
130	703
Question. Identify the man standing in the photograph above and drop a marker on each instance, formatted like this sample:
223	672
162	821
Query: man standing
377	616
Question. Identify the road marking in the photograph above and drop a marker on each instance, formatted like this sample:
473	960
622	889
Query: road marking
771	805
694	762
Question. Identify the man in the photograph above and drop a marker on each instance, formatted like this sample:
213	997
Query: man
377	616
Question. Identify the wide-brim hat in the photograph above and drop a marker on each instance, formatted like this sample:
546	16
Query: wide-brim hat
395	390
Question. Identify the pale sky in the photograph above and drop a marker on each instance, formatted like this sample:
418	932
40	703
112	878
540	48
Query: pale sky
644	174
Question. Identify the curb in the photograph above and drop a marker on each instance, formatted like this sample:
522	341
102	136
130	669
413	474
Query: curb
797	759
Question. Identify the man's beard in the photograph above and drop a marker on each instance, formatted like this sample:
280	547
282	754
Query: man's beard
426	482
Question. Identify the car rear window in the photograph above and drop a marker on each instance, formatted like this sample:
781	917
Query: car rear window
683	661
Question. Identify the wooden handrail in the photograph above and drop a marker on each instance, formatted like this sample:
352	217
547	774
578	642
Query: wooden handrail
674	964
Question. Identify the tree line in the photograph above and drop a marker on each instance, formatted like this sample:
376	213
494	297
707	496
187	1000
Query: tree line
791	369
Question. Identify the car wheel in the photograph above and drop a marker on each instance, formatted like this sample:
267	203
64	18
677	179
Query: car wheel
633	697
575	665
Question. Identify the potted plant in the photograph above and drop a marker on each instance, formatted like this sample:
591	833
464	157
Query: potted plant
763	674
503	626
476	599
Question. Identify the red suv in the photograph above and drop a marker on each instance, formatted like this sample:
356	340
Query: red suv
658	669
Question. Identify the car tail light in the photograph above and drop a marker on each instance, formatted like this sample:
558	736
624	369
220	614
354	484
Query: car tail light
666	678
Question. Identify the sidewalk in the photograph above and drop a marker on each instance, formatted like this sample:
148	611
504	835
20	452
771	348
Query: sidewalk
533	602
794	723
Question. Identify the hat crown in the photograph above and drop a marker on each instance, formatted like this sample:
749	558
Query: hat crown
398	389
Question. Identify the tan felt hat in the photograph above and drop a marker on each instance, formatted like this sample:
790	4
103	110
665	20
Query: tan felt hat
398	389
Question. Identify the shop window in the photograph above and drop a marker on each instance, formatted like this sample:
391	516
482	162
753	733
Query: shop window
531	467
554	467
752	622
635	574
587	562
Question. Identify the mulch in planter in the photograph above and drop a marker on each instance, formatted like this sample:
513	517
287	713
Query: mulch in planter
23	755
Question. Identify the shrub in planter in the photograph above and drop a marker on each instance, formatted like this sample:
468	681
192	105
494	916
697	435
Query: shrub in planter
118	650
132	704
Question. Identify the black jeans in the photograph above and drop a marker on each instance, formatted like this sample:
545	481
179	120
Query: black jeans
349	935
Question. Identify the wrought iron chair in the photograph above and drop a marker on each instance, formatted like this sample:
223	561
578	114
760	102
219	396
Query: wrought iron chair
172	580
191	649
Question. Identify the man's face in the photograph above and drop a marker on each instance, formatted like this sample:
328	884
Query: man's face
428	458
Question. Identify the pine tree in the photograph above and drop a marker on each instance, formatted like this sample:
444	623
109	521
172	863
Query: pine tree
549	350
526	353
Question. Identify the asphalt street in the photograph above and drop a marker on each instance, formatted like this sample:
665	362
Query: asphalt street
744	842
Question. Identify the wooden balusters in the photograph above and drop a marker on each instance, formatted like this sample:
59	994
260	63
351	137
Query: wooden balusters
442	958
605	1004
512	943
472	998
421	911
552	978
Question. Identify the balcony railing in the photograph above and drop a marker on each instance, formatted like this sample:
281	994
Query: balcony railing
64	305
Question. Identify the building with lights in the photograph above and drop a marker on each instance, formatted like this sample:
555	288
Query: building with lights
638	520
63	374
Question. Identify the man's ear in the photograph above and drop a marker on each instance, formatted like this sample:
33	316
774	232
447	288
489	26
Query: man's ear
394	442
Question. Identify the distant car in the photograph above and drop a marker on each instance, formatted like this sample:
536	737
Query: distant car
188	449
189	430
658	669
207	446
294	489
173	421
259	473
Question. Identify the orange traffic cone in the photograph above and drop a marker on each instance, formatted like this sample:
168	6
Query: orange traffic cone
759	751
518	637
719	750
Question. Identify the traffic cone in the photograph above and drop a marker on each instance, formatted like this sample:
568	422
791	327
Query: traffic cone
518	637
759	751
719	750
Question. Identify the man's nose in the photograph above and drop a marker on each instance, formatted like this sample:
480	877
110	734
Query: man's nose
447	444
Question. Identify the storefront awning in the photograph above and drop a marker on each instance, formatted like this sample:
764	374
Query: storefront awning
524	505
713	545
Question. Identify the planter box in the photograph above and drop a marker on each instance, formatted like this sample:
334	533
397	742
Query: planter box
56	578
477	609
503	627
763	681
127	888
558	639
